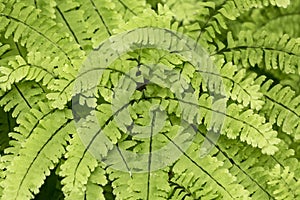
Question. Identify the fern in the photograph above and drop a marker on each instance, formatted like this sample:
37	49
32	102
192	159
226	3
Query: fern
199	101
280	106
38	160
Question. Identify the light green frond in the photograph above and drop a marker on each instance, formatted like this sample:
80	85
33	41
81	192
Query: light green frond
77	169
27	125
100	18
282	107
239	85
22	97
69	14
203	178
39	153
266	50
257	168
248	126
38	33
208	20
19	69
273	19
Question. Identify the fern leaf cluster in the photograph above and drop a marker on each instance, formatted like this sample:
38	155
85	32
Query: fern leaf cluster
149	123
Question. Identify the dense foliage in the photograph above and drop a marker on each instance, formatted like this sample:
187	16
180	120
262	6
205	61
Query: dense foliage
255	46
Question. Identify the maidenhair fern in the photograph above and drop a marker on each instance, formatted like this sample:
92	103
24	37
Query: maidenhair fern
149	99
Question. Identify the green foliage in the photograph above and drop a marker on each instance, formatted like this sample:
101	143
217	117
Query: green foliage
254	46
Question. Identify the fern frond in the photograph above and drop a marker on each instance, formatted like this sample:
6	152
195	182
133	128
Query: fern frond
258	168
248	126
208	178
32	30
22	98
77	169
282	107
69	14
27	124
253	174
244	176
18	69
208	26
94	138
239	85
216	13
38	33
265	50
100	19
273	19
39	153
